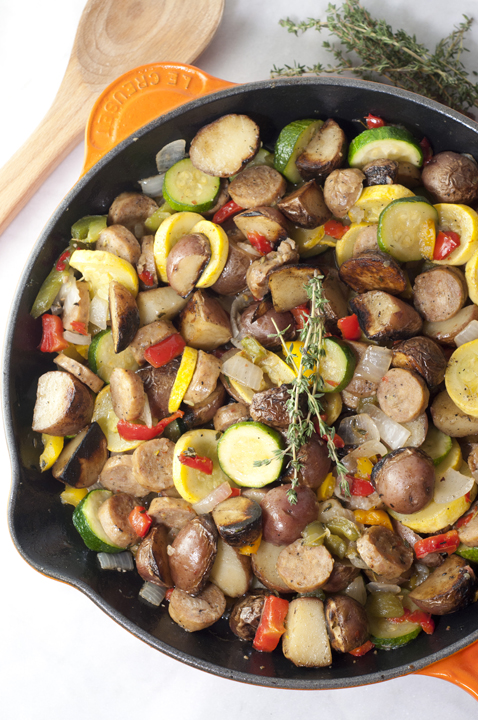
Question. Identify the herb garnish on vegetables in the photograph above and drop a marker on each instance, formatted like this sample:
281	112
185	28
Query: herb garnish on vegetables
395	56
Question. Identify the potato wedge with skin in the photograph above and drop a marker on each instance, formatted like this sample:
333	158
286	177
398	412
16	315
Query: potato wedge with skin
238	521
231	571
162	303
306	206
204	379
264	567
449	588
373	271
408	175
63	405
193	553
223	147
306	641
266	221
152	562
445	331
287	286
382	316
326	151
82	459
448	417
186	262
203	323
336	307
124	315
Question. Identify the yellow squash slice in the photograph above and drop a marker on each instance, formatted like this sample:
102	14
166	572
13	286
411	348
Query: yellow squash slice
374	199
106	418
191	484
464	221
461	378
344	249
183	378
219	243
99	267
471	274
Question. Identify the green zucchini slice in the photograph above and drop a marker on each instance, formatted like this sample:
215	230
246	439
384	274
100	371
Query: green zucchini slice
85	520
388	142
437	445
291	142
188	189
337	365
249	453
401	225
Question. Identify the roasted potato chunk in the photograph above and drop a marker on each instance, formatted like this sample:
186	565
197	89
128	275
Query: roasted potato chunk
203	322
326	151
306	206
373	271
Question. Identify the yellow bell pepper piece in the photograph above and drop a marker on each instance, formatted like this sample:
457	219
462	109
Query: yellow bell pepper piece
72	495
373	517
364	468
52	447
326	490
251	549
183	378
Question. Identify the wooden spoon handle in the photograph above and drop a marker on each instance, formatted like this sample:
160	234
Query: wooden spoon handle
59	132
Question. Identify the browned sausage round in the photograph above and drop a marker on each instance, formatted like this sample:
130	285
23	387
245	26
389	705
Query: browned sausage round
304	568
170	511
113	515
366	240
402	395
384	552
127	394
197	613
228	415
256	186
440	293
117	475
118	240
153	464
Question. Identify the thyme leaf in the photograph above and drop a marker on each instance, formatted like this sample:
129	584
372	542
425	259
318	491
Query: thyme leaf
395	56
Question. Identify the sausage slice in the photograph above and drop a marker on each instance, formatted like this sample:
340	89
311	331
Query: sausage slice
113	514
384	552
440	293
153	464
423	356
304	567
256	186
118	240
117	475
172	512
83	373
402	395
127	394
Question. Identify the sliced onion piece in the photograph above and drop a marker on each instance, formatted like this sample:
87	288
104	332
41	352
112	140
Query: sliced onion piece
418	431
152	186
116	561
421	573
170	154
244	371
469	333
367	450
154	594
99	312
358	429
77	338
356	590
222	492
249	249
391	432
146	416
451	486
241	302
375	587
373	364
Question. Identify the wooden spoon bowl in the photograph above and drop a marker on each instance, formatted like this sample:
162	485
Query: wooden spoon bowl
113	36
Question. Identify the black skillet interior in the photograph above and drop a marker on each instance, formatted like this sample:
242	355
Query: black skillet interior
41	526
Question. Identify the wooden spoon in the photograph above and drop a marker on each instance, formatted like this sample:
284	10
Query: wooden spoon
113	36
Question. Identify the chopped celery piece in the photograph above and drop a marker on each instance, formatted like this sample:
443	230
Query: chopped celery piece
314	533
254	350
88	228
51	286
344	528
384	605
162	213
336	546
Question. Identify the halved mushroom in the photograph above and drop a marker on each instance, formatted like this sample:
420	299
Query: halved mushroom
347	623
186	262
306	206
238	520
380	172
342	189
82	459
124	315
192	554
325	152
267	221
152	561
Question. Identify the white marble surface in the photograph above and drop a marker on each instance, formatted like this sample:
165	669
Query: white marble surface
61	657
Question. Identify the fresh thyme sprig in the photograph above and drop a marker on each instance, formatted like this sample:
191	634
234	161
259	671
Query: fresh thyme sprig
395	56
302	426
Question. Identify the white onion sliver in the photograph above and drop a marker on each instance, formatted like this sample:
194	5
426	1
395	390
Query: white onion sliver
241	302
422	572
357	562
116	561
469	333
356	590
249	249
222	492
152	186
451	486
373	364
392	433
244	371
375	587
146	416
367	450
154	594
76	338
358	429
170	154
99	312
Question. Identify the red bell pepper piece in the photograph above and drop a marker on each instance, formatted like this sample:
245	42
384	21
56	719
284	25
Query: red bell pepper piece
373	121
359	486
165	351
139	520
420	617
427	150
52	337
358	652
337	440
79	327
197	462
62	261
445	542
349	327
146	278
445	243
271	626
260	242
135	431
235	492
335	229
169	592
466	518
227	211
301	314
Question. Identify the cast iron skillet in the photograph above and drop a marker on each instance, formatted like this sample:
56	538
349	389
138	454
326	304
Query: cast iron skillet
40	525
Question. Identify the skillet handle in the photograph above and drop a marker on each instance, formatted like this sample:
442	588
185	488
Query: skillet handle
139	96
461	669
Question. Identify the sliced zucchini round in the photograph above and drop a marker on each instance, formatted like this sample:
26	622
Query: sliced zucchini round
461	378
388	142
85	520
469	553
387	635
291	142
188	189
373	200
437	445
337	365
250	454
102	358
401	226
